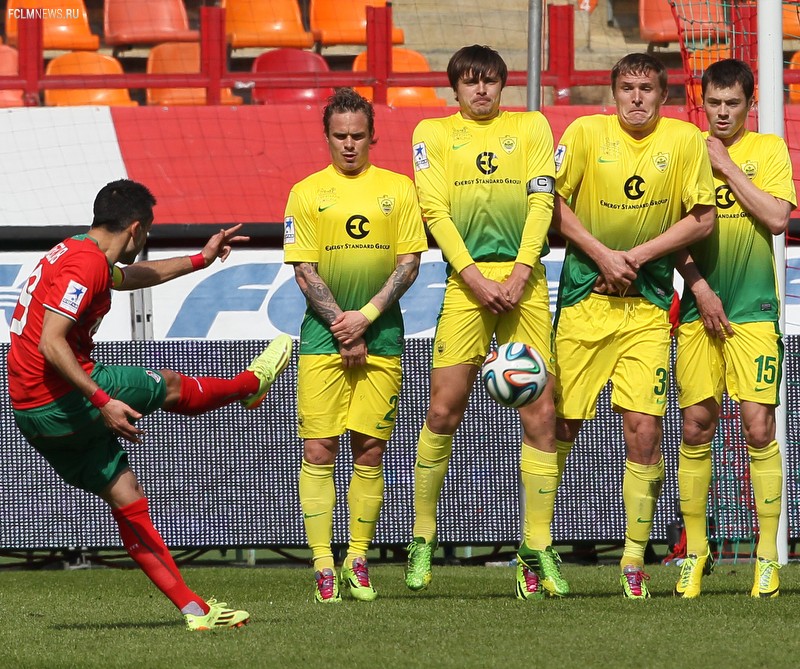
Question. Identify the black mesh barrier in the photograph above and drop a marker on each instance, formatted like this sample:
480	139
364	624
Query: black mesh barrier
229	478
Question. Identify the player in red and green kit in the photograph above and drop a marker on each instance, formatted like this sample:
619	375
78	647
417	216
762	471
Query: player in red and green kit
729	337
639	188
354	233
73	410
485	179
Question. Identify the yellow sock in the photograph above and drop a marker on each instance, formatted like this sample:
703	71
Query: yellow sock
641	487
364	497
540	477
433	457
562	449
694	479
767	477
317	499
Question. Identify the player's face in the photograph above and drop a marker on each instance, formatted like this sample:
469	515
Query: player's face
639	98
349	141
726	110
479	98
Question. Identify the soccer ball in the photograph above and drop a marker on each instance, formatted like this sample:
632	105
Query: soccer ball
514	375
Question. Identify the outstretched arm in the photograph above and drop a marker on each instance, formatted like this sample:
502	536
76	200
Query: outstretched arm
154	272
349	326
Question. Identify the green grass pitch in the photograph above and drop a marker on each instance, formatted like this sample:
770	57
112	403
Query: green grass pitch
468	617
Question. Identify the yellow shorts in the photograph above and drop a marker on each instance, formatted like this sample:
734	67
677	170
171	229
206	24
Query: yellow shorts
747	365
621	339
465	328
332	399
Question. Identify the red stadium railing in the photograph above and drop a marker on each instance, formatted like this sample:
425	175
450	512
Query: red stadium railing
560	74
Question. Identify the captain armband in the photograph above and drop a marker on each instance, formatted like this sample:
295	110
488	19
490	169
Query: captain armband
541	185
117	277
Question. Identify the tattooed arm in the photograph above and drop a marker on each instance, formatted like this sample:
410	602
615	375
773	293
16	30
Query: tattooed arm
349	326
317	293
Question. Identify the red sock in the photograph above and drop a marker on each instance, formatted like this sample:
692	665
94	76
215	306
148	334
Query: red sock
204	393
145	545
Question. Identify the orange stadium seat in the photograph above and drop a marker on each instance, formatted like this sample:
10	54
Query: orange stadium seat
180	57
290	60
791	21
794	89
403	60
128	23
255	23
703	21
9	66
335	22
86	62
65	25
699	60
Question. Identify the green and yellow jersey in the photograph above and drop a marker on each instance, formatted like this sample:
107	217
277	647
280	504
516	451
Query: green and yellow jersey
627	191
737	259
486	187
353	229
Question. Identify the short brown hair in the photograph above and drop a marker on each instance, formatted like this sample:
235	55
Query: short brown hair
479	61
348	100
639	64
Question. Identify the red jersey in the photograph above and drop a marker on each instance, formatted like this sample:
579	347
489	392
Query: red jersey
74	280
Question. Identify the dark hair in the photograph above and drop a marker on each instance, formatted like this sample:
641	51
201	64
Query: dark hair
478	61
120	203
729	72
639	64
347	100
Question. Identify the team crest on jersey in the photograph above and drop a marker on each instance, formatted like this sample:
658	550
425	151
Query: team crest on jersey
326	198
661	161
288	230
508	143
73	296
561	151
609	151
420	157
750	169
386	204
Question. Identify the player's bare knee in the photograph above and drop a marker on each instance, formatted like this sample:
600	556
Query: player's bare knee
320	451
370	453
172	380
442	419
759	435
696	432
567	430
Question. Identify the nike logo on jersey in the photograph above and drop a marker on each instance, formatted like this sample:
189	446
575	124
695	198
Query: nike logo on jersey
327	206
456	147
606	160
